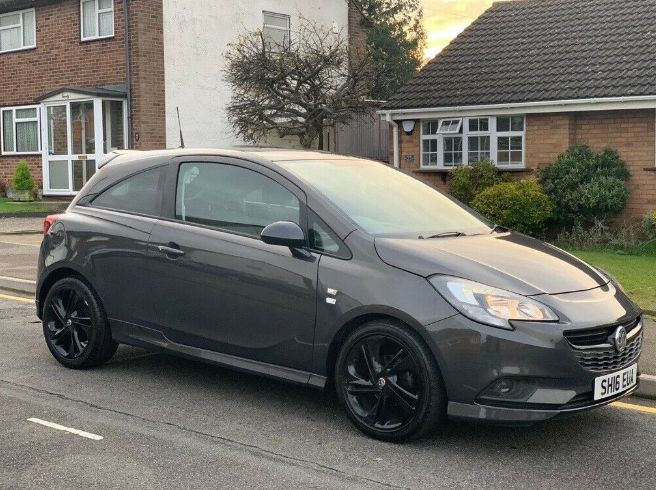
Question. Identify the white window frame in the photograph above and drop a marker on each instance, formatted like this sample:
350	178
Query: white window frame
20	14
446	126
510	134
36	119
491	132
97	17
286	17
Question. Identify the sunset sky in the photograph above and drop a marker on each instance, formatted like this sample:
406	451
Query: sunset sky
445	19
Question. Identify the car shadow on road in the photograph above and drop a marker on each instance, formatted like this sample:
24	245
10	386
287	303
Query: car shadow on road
203	386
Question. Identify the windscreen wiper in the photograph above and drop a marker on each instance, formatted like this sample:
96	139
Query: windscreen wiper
446	234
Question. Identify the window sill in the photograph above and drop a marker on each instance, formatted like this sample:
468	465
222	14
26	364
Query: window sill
38	153
91	39
442	170
26	48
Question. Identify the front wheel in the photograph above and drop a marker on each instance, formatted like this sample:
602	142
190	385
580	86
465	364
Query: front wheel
74	325
389	383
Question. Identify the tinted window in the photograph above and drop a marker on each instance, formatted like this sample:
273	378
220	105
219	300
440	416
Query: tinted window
140	193
323	239
232	198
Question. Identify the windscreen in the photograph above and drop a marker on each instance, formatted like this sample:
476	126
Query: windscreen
383	201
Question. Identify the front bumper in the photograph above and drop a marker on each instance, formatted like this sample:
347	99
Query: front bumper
472	357
504	415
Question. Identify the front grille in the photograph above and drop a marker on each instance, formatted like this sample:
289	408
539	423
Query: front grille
595	350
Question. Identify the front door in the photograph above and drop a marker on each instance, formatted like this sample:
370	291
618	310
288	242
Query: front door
75	134
215	284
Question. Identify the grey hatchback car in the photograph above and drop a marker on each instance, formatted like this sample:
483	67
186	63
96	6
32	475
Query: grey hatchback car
331	271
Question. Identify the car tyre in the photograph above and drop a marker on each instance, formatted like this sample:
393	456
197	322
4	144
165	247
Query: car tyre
389	383
75	327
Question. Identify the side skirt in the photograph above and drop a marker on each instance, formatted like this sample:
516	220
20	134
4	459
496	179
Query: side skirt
152	339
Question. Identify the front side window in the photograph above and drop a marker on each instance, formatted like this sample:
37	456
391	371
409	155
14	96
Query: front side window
276	30
322	239
17	30
20	130
448	143
232	198
141	194
97	19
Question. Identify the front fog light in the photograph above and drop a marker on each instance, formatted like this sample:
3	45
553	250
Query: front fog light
509	390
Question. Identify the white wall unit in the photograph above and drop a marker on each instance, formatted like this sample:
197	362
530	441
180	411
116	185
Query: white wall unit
196	35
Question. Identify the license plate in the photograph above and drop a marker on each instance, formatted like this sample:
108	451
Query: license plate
613	384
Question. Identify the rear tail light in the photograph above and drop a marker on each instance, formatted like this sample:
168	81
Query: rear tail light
49	221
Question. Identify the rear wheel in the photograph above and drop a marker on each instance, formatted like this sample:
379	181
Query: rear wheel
389	383
74	325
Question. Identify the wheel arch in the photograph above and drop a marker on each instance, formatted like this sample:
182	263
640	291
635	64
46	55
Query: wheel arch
355	321
52	277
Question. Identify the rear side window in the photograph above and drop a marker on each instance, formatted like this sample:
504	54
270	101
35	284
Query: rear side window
232	198
140	194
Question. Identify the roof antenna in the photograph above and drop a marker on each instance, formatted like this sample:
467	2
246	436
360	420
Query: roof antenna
180	126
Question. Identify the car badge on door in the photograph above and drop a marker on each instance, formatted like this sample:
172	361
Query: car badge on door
331	292
620	339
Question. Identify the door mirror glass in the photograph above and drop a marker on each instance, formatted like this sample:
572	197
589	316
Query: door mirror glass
284	233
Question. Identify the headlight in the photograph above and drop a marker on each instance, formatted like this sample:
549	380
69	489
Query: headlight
489	305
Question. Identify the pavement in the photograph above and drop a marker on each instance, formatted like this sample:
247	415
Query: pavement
174	423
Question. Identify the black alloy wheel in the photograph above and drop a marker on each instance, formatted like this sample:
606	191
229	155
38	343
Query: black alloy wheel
389	383
74	326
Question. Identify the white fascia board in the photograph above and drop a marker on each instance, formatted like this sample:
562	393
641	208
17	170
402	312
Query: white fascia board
578	105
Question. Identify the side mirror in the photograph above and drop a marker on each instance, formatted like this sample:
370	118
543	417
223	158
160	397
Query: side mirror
284	233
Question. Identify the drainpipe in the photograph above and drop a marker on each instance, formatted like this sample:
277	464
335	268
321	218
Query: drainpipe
395	138
128	74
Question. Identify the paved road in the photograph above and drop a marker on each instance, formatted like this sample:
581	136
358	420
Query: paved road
176	423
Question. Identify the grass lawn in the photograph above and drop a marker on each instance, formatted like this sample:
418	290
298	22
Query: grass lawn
7	206
636	273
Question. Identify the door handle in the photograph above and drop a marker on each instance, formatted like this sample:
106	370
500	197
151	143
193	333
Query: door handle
170	251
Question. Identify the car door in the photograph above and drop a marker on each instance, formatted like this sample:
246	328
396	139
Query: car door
117	224
214	284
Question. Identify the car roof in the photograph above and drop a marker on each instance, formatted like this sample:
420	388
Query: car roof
258	154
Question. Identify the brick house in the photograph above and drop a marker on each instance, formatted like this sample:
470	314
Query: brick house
527	80
79	78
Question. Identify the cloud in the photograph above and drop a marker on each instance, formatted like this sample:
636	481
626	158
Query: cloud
445	19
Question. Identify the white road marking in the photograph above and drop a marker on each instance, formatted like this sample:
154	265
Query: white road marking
77	432
8	242
16	279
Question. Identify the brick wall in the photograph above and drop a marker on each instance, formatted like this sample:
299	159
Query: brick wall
631	133
357	29
147	67
61	59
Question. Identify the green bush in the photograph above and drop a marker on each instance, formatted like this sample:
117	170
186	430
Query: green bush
23	180
633	239
521	205
586	186
649	224
466	182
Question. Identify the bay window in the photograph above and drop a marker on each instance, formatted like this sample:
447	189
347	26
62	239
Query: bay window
17	30
451	142
20	130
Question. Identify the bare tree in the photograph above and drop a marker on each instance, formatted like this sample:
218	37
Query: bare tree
296	88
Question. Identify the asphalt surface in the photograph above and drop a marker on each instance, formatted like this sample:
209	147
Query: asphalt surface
176	423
